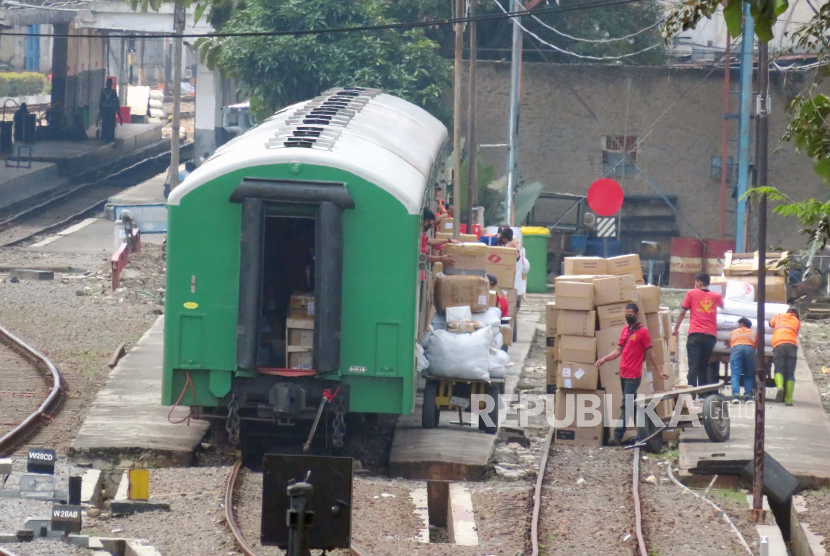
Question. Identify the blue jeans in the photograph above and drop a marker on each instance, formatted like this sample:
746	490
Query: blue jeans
742	363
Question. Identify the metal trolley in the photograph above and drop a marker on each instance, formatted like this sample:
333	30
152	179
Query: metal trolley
455	394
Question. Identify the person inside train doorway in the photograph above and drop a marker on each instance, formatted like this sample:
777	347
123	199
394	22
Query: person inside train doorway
785	352
703	328
108	109
429	221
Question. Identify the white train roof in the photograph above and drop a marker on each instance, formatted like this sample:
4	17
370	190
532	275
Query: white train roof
383	139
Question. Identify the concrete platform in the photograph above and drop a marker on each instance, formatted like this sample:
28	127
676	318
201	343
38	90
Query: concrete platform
74	157
127	419
452	452
146	204
19	184
798	437
93	236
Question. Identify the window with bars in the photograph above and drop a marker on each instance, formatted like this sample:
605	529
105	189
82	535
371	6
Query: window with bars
619	155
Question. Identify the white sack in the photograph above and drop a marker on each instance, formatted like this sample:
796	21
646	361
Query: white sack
420	360
730	322
439	322
464	356
499	362
721	347
750	308
740	291
725	334
455	314
498	341
157	95
490	317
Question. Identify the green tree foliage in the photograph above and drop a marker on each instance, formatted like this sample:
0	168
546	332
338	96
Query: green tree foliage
278	71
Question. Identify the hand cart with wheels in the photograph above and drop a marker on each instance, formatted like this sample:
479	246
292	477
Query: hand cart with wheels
723	358
714	414
456	394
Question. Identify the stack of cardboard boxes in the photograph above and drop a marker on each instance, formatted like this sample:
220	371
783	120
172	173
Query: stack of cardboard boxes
480	259
299	332
585	324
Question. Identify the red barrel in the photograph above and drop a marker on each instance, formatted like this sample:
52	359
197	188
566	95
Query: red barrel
686	261
714	251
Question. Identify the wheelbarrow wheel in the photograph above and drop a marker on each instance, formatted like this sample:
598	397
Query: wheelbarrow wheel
653	444
430	415
716	418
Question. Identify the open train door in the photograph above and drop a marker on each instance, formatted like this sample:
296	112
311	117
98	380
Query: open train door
329	200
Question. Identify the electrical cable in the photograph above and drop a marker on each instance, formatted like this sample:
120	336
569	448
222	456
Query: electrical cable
187	383
597	41
333	30
574	54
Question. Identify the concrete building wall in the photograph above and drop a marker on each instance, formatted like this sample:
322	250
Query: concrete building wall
13	51
675	112
85	74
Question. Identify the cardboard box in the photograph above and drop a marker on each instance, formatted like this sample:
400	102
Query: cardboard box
552	363
501	262
301	305
581	376
507	334
776	286
576	323
611	316
579	349
463	238
467	256
299	360
550	319
512	296
616	289
650	296
584	278
491	298
299	337
660	349
573	435
661	384
575	296
608	340
624	264
583	265
654	323
458	290
672	344
665	318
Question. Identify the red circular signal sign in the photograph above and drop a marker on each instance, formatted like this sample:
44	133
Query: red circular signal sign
605	197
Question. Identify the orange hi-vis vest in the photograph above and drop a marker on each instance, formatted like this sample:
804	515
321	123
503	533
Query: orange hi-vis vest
742	337
785	327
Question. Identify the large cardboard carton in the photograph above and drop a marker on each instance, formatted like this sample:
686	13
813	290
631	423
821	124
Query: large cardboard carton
660	349
501	262
624	264
299	337
512	296
650	298
611	316
550	319
573	435
575	296
552	363
458	290
654	323
583	265
299	360
576	323
776	286
573	375
584	278
506	334
672	344
663	384
463	238
301	305
608	340
467	256
579	349
616	289
665	318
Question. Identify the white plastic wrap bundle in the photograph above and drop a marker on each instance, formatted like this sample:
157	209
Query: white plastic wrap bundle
464	356
739	302
499	363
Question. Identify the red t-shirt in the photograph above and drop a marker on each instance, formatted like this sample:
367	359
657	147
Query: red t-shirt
703	305
424	246
501	303
635	342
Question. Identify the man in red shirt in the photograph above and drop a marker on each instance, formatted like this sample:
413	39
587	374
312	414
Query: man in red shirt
634	346
703	328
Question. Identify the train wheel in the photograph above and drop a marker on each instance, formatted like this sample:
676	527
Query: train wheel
716	418
430	415
492	390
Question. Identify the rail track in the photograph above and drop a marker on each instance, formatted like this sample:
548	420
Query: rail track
44	215
25	419
230	517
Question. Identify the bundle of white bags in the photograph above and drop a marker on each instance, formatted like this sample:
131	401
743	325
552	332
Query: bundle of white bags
739	301
467	356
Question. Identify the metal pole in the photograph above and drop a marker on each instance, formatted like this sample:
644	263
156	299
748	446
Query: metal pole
743	139
472	146
456	117
513	123
141	62
724	141
762	130
178	17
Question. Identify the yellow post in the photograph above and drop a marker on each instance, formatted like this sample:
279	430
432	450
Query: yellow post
139	484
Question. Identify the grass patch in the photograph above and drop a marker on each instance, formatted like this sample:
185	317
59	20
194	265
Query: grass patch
728	494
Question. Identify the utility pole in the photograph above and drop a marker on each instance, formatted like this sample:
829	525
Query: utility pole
762	132
472	142
141	62
724	140
456	118
513	123
743	136
178	24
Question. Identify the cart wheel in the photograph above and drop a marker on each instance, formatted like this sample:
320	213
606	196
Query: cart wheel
716	418
492	390
430	415
654	444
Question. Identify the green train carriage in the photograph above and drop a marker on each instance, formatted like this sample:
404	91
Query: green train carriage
326	194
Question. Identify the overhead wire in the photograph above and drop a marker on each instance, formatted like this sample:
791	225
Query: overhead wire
574	54
334	30
597	41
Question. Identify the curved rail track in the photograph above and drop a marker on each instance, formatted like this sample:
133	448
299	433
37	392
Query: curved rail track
230	517
25	427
